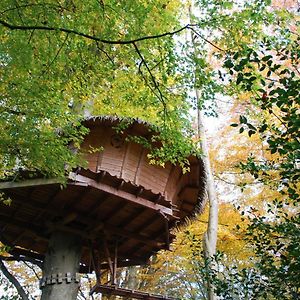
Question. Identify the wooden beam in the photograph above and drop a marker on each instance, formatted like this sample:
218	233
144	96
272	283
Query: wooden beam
133	235
92	231
95	262
76	200
27	253
109	260
122	262
132	217
28	183
145	224
85	181
120	193
96	207
133	294
49	201
138	168
83	268
32	229
125	157
115	263
114	210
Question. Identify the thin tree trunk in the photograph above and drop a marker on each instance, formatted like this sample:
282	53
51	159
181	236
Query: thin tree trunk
210	236
14	281
61	267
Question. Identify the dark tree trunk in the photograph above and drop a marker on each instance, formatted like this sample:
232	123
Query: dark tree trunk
60	271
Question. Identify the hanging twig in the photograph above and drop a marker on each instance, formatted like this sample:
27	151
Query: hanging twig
105	53
161	97
57	53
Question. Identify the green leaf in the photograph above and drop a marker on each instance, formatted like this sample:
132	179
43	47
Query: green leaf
266	58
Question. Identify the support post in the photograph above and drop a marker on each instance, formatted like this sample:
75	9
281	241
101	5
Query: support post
60	271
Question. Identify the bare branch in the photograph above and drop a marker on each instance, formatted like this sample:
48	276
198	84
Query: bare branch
91	37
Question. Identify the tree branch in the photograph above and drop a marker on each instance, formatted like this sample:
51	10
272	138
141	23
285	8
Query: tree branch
31	267
57	53
161	97
33	4
91	37
105	53
206	40
14	281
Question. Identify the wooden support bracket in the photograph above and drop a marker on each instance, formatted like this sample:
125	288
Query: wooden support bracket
58	278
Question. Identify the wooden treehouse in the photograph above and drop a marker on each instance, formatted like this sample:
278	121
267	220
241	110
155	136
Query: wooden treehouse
116	213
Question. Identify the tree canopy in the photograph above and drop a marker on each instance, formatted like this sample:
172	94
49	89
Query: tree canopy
60	60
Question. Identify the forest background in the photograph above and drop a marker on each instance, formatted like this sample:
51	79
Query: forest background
147	59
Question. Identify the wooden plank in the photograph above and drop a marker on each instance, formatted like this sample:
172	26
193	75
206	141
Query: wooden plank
119	193
114	211
171	172
125	157
138	168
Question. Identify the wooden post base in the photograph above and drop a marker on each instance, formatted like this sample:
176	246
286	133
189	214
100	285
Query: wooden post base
60	271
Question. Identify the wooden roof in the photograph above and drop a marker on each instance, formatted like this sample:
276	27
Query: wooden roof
119	201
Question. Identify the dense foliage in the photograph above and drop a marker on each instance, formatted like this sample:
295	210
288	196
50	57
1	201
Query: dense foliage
61	60
271	73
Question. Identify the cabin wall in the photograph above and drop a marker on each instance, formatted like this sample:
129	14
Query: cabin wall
129	161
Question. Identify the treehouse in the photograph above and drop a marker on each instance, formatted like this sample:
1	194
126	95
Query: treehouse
117	212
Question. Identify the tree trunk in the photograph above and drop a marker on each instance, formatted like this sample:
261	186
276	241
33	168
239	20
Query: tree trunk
60	271
210	236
